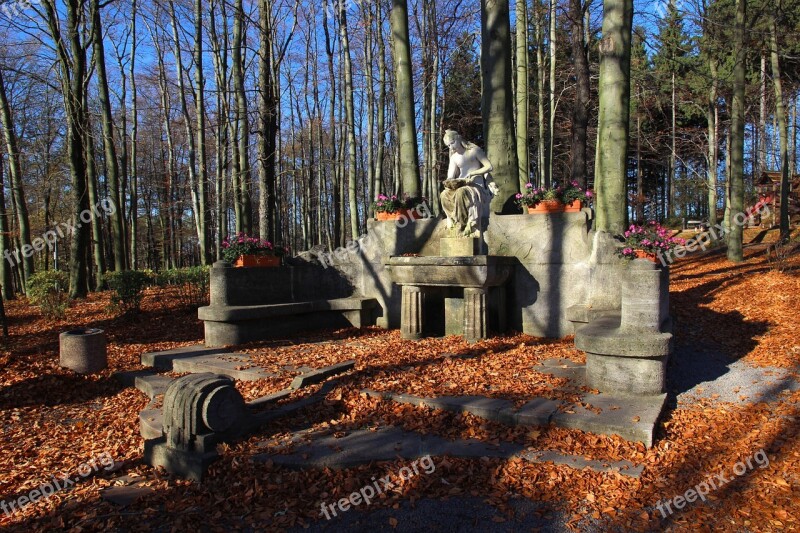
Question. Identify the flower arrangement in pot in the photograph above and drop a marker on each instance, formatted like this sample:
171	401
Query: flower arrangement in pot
648	241
575	197
541	200
245	251
394	207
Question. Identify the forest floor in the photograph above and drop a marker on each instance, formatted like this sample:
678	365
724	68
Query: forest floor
733	396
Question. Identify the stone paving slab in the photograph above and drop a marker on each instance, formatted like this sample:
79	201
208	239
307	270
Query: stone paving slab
320	375
390	443
125	496
633	419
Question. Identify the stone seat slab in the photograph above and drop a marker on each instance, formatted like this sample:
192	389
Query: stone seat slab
236	313
605	336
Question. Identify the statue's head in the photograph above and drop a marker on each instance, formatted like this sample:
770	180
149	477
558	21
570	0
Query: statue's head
451	137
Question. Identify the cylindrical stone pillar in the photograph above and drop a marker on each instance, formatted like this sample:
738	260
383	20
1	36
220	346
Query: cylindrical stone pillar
412	312
83	350
475	307
218	289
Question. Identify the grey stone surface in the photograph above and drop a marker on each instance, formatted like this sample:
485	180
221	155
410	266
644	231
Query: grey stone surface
452	515
631	418
164	360
318	376
391	443
270	399
151	423
153	385
459	246
228	325
479	271
235	366
83	350
126	495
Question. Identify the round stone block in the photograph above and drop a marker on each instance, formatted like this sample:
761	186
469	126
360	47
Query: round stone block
83	350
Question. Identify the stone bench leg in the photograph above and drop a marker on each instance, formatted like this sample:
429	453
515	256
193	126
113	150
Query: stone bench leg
411	318
475	308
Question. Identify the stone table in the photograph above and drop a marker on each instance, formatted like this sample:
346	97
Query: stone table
481	278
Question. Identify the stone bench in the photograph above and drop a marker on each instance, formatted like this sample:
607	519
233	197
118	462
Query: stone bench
231	325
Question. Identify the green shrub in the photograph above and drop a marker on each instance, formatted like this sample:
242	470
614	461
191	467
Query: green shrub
189	285
49	291
128	288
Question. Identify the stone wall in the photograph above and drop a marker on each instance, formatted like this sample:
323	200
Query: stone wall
564	269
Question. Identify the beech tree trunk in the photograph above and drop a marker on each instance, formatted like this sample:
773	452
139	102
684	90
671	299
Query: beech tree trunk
498	101
613	121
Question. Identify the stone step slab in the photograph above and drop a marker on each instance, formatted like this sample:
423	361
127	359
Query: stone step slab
391	443
164	360
633	419
153	385
235	366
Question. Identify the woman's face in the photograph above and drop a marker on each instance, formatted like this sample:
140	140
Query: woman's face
451	141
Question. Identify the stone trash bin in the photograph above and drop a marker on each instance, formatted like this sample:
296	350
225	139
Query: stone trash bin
83	350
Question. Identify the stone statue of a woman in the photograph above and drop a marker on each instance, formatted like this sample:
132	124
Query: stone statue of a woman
469	186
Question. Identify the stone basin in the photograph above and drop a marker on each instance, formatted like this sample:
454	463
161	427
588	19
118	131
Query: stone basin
480	271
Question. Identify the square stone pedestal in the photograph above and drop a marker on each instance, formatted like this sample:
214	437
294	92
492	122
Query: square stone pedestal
459	246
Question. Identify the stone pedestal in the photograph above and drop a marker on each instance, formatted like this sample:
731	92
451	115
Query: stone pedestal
626	352
83	350
459	246
412	313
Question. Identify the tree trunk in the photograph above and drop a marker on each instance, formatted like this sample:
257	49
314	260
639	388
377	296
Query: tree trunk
134	177
783	128
352	175
713	143
204	208
580	111
613	120
540	97
551	97
497	102
404	100
523	111
107	123
735	252
6	261
246	223
15	170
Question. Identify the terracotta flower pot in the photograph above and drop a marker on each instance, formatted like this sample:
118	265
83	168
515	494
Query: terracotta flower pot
574	207
410	214
547	206
641	254
258	261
